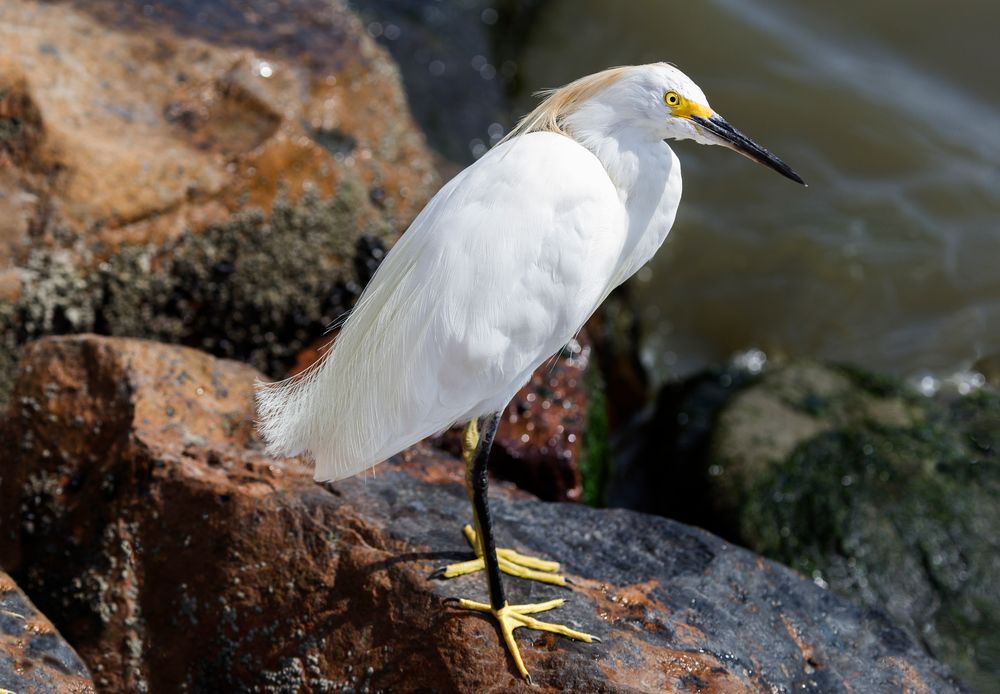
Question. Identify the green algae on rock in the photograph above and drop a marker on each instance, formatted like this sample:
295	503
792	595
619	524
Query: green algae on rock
595	451
884	495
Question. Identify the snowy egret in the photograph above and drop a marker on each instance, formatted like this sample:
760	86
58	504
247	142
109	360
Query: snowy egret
496	274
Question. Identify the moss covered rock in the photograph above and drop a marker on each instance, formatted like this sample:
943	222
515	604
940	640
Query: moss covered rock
886	496
894	501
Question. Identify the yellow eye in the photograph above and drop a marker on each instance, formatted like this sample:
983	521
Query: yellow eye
671	99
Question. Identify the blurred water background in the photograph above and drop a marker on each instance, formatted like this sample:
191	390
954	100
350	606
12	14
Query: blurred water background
890	110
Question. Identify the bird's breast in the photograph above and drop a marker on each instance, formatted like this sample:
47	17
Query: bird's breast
651	204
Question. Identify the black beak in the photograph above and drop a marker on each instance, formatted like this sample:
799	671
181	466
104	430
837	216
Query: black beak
734	139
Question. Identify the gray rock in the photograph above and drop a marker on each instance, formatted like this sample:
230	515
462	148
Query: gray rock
33	656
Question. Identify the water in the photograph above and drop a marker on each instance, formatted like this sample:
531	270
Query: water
890	111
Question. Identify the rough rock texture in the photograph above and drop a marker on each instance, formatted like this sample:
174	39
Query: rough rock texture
33	656
541	441
135	138
888	496
138	511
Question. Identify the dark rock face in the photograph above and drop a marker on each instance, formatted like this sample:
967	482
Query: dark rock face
888	496
138	510
33	656
457	54
128	186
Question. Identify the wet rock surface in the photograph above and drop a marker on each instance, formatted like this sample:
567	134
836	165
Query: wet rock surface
160	162
33	656
138	510
540	444
887	496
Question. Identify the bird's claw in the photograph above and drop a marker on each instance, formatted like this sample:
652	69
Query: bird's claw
511	562
512	617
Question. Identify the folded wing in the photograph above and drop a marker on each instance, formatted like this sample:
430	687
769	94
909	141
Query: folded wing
497	273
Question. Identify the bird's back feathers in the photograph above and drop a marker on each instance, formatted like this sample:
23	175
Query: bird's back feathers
486	284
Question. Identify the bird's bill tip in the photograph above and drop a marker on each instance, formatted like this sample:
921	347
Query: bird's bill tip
735	140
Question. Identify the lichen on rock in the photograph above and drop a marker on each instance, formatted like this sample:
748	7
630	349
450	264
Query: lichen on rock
258	287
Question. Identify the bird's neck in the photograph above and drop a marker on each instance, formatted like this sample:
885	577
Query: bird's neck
629	154
647	175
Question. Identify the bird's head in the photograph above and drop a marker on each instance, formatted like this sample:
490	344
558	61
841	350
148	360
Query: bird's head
658	100
683	111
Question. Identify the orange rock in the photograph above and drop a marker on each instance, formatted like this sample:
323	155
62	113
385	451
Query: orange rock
116	127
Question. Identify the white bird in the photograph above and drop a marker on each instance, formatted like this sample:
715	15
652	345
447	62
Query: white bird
499	271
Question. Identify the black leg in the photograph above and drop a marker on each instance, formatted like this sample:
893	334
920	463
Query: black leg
478	485
477	441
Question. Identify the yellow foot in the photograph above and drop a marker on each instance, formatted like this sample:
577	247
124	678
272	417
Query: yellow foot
511	617
511	562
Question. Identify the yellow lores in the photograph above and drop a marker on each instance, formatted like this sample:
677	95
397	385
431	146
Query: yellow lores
684	108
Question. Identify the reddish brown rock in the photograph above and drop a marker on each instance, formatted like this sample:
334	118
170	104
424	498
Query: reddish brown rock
128	123
217	174
138	511
539	444
33	656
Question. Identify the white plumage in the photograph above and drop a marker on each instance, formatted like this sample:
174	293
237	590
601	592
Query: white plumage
497	273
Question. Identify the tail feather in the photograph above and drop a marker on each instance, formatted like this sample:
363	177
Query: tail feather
366	398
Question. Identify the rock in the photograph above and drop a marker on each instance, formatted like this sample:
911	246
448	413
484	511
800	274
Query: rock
542	443
33	656
659	461
138	511
887	496
136	139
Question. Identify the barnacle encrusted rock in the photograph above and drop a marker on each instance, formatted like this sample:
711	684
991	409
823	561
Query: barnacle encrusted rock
163	165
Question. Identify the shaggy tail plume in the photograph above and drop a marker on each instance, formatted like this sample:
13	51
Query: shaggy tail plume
282	414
